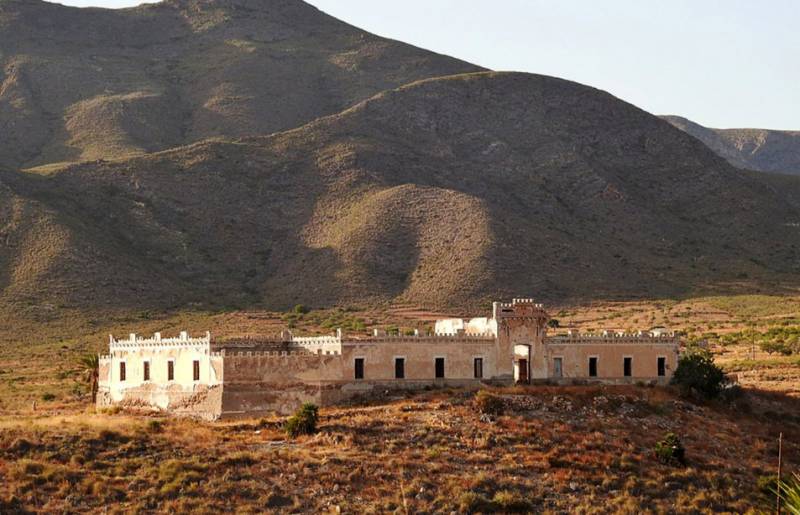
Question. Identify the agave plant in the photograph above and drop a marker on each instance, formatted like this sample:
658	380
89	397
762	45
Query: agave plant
91	372
789	492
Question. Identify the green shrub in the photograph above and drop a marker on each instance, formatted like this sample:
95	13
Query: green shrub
48	396
304	422
771	347
697	374
301	309
489	403
670	451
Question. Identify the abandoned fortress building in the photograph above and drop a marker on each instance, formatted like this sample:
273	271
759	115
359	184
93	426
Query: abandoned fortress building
211	379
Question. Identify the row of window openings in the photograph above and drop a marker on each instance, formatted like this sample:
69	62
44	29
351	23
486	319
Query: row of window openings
170	370
627	367
438	365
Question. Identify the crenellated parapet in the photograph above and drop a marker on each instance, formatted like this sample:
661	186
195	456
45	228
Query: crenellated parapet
135	341
432	338
615	338
278	354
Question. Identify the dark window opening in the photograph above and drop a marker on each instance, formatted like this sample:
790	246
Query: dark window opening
399	368
662	367
359	368
592	367
170	370
146	369
439	368
627	366
478	368
122	371
196	370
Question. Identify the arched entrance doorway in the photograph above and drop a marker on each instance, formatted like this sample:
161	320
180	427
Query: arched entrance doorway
522	364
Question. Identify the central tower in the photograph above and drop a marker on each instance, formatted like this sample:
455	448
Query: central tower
521	328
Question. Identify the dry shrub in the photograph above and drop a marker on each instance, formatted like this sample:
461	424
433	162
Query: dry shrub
240	459
489	403
176	475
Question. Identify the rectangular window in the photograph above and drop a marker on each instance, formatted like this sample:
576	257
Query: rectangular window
627	366
593	366
170	370
662	367
359	368
146	370
196	370
478	368
439	366
558	367
122	371
399	368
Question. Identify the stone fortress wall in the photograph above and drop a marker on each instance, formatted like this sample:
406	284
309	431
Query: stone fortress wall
182	374
253	376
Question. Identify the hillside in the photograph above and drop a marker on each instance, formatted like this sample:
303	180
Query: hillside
552	450
449	191
88	84
753	149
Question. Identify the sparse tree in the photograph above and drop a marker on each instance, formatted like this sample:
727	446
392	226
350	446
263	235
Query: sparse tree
553	323
91	372
698	374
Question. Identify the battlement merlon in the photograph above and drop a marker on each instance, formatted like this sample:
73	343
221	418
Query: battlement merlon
616	337
134	341
519	308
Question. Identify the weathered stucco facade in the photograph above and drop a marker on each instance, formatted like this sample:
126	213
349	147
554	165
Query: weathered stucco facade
248	377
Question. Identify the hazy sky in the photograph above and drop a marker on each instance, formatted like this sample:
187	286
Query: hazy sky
722	63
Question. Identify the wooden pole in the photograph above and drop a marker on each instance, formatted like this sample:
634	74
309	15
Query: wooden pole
780	466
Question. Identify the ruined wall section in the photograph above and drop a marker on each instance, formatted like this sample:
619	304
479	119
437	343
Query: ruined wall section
267	382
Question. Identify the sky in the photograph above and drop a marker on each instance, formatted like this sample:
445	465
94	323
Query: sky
721	63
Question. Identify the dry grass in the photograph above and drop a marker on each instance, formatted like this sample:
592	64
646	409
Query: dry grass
581	450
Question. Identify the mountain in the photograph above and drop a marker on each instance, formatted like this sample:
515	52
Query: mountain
87	84
754	149
446	191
